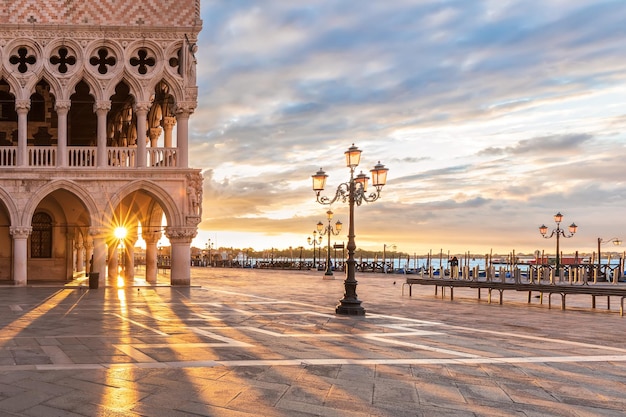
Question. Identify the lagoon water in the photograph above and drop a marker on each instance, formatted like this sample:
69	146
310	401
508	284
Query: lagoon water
413	263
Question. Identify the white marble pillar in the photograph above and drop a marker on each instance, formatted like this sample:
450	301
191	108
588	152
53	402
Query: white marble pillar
80	255
168	126
20	254
113	263
22	107
99	253
62	108
101	109
129	254
155	133
141	109
151	255
182	138
180	240
70	258
129	261
89	253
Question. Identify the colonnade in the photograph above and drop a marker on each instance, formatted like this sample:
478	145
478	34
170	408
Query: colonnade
102	108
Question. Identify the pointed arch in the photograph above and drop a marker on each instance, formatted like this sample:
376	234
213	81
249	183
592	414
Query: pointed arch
14	85
136	90
121	118
51	80
174	86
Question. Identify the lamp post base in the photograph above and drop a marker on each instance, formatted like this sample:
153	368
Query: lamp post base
350	308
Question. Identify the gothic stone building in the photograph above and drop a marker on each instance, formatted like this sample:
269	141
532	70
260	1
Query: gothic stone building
95	99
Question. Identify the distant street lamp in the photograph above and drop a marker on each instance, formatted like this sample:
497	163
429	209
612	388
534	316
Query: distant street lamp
353	191
601	241
543	229
315	240
385	246
329	230
209	246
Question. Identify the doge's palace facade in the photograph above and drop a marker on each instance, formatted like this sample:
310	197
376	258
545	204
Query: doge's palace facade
95	100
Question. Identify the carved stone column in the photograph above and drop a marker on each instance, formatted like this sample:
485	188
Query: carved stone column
182	139
89	253
20	254
112	263
99	235
141	109
80	255
180	239
22	107
71	254
168	125
62	108
101	109
155	132
129	259
151	239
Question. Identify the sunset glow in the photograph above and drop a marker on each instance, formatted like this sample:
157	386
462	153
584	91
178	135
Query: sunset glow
489	125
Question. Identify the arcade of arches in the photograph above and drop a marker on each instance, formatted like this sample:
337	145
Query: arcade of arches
94	114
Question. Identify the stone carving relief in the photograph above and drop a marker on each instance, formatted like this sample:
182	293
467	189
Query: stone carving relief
194	194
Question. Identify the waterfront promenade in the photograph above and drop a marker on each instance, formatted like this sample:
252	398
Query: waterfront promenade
247	342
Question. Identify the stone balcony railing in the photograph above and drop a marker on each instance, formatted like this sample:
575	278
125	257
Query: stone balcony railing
86	157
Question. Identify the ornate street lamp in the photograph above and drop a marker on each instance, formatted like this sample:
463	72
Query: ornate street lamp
315	240
209	246
353	191
385	246
329	230
601	241
543	229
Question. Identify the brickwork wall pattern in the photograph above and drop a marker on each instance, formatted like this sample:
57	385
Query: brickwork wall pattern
155	13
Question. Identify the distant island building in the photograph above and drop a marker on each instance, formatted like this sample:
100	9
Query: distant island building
95	102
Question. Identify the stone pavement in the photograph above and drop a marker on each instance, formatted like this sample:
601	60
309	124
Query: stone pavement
243	342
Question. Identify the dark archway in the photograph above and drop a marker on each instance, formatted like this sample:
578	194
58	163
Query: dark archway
8	116
82	127
121	120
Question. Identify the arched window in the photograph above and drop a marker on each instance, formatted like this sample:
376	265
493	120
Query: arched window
41	237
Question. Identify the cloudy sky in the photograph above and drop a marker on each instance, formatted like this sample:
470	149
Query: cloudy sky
490	115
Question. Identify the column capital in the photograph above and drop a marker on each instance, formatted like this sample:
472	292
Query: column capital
62	106
102	105
142	107
20	232
181	234
169	122
185	109
22	105
155	132
99	232
151	237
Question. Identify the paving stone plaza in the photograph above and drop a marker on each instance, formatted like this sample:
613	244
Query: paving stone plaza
243	342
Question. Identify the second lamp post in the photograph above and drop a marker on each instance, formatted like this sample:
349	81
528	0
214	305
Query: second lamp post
543	229
316	240
329	230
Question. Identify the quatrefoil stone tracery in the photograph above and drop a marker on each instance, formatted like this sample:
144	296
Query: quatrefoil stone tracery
102	60
142	61
22	60
63	60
